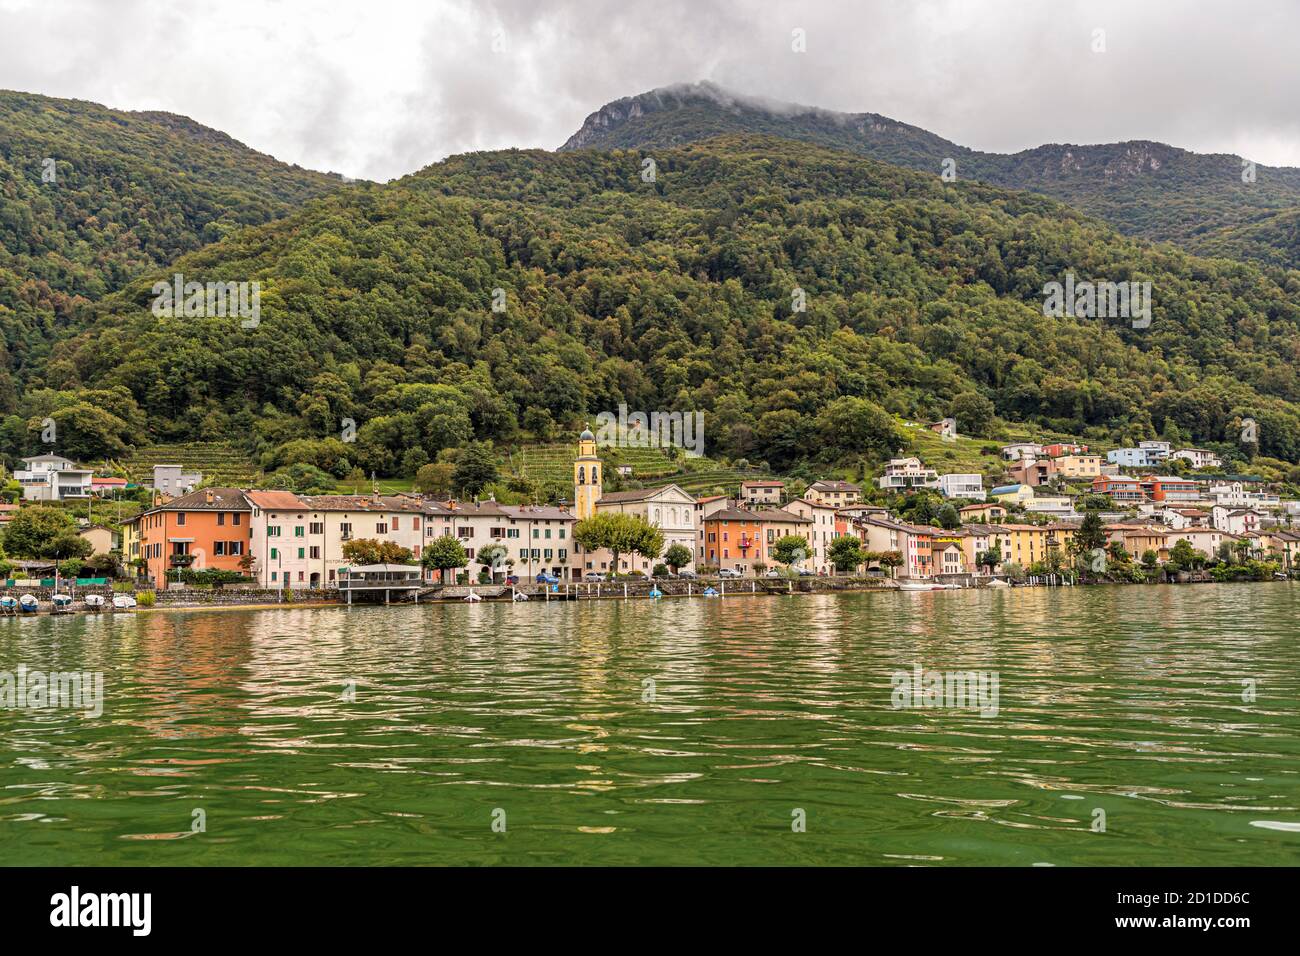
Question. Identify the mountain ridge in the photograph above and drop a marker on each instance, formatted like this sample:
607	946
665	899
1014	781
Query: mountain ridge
1143	187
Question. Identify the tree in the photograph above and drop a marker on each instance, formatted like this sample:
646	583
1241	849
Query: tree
1184	557
892	560
619	534
435	479
948	517
973	413
443	554
476	469
1150	559
677	557
493	557
857	426
1090	540
372	551
990	558
33	530
846	553
790	549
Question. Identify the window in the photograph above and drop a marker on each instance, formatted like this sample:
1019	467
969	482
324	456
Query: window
219	548
298	531
345	530
302	553
235	548
415	524
464	534
315	552
221	518
237	517
275	554
273	531
397	523
317	527
381	528
180	519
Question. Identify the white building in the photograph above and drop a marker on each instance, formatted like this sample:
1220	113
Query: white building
961	486
669	509
1022	450
53	478
1235	494
903	473
1058	506
1199	457
1235	520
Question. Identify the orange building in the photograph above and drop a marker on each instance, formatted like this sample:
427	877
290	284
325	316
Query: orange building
208	528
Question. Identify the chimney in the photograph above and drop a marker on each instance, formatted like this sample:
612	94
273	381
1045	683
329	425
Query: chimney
209	496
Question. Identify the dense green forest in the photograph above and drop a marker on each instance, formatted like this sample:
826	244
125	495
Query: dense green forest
675	294
1144	189
91	197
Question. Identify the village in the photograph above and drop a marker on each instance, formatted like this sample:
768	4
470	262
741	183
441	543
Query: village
1024	530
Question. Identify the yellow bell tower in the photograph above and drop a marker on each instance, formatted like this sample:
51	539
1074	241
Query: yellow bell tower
586	477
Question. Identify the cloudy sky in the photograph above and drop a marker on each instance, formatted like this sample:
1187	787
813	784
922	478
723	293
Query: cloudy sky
380	88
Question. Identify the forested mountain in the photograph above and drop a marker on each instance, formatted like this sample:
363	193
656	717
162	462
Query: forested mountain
1144	189
90	197
678	293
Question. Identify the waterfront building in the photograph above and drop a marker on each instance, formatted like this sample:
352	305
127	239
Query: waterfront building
205	529
668	508
827	525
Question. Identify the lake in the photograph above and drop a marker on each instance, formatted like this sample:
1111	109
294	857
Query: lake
1146	725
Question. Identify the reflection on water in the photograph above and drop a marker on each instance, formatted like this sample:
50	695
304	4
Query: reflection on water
1124	699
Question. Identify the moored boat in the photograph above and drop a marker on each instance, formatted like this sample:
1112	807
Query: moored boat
8	604
472	597
28	604
916	586
123	602
94	602
62	603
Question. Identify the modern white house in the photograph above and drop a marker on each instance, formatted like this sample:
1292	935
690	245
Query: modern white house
1022	451
1133	457
53	478
1199	457
1059	506
903	473
957	485
1235	494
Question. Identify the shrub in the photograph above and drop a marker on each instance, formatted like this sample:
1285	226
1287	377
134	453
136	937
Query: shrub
146	598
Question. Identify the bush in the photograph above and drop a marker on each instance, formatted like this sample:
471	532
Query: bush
146	598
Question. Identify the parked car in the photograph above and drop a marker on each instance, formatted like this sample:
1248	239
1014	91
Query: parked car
729	573
593	576
544	578
686	573
807	573
772	573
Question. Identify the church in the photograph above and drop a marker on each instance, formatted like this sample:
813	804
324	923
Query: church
668	508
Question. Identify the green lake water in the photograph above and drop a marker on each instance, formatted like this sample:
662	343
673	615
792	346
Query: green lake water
765	710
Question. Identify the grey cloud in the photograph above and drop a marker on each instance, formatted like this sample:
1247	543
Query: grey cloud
382	89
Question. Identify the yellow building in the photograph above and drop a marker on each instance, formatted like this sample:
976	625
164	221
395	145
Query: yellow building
130	540
1012	494
586	477
1080	466
1026	544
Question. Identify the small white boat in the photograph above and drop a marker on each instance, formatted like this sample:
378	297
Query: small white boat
62	603
8	604
94	601
519	596
123	602
916	586
709	592
28	604
472	597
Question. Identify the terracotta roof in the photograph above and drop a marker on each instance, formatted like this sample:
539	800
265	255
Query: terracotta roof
365	503
276	500
208	499
537	512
